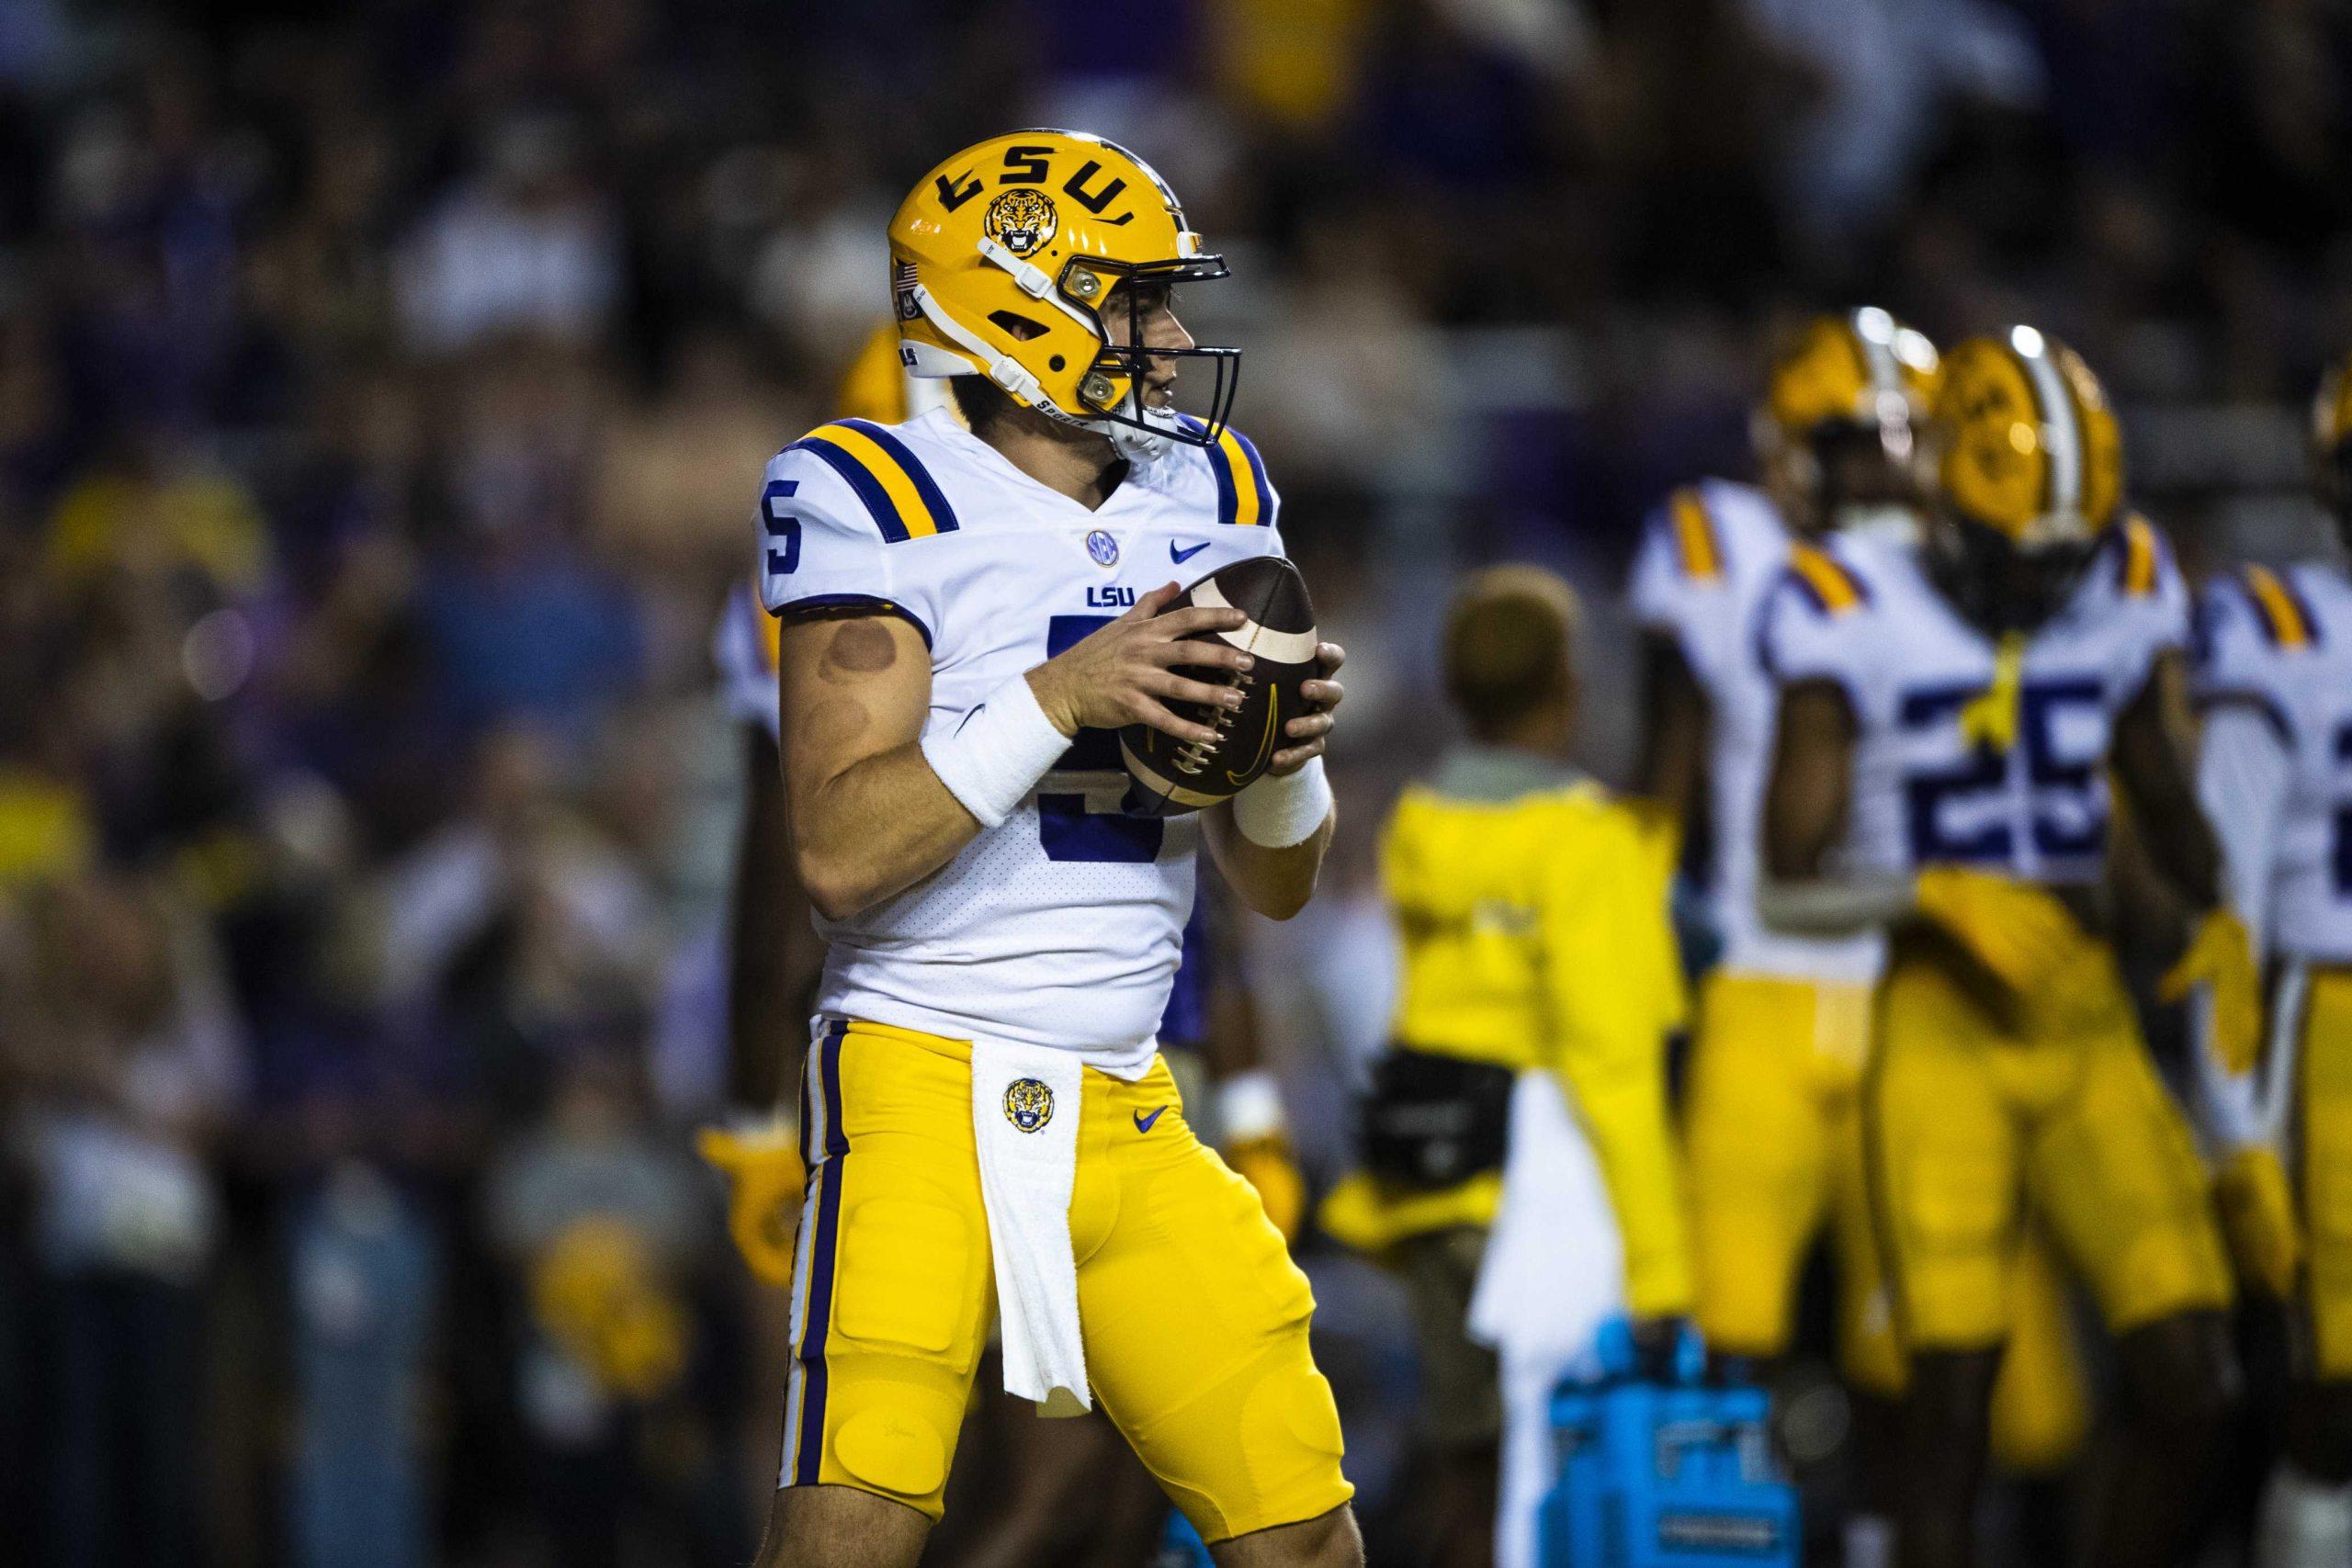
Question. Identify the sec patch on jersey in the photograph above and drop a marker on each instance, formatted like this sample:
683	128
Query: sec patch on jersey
1174	776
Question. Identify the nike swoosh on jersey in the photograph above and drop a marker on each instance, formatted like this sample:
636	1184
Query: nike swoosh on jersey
1143	1122
1180	557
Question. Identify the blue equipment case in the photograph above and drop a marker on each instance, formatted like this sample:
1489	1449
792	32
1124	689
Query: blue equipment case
1677	1474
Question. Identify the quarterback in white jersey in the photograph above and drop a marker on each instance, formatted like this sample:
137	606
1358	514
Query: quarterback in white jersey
1951	710
1060	924
2275	676
969	617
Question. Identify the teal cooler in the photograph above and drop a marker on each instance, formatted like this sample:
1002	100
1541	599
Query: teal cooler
1678	1473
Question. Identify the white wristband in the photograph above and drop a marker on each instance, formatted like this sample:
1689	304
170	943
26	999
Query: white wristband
1276	813
1250	1105
997	751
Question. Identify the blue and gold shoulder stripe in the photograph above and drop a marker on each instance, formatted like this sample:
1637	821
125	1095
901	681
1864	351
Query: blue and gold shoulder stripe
2138	555
1244	499
1826	582
1698	549
2286	622
904	499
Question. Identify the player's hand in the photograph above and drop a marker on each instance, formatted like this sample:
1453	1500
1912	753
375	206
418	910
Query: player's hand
2220	957
1266	1163
1308	731
763	1170
1124	672
2021	936
2258	1216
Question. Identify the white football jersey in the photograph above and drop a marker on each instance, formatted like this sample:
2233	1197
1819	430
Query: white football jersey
1061	926
1708	559
1862	612
743	647
2280	643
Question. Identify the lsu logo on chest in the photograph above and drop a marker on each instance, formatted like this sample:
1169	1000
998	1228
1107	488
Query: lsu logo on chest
1109	597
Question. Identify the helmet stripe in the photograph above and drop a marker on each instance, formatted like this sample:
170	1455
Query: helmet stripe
1879	372
2062	430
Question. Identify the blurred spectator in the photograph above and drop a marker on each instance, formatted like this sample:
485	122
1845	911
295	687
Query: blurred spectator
604	1227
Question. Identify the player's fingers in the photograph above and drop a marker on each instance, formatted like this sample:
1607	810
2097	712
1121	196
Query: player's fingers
1199	619
1151	711
1294	758
1325	695
1152	603
1200	655
1162	683
1308	726
1329	655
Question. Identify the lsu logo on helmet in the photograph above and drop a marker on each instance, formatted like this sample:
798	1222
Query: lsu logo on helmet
1028	1104
1021	221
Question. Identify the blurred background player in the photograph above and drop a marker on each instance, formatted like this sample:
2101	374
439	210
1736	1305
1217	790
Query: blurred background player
2275	773
1066	1490
1771	1118
1951	711
1531	940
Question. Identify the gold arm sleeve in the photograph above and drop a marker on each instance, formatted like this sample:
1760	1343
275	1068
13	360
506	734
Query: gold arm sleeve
1614	987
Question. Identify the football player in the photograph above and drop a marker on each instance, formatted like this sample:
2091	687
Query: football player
1951	710
2274	772
1772	1119
1533	933
773	962
951	689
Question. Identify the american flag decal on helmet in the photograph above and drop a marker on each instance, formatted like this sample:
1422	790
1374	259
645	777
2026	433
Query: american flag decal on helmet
902	290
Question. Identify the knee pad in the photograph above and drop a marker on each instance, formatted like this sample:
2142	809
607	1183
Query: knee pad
893	1450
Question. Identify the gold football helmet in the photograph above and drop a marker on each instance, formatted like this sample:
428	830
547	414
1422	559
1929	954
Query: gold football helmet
2029	466
1837	432
1005	259
2332	442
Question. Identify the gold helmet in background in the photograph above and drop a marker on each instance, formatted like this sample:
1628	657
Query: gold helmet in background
1837	432
1005	258
2332	442
2029	466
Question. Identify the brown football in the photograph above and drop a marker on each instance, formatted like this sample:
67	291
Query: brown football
1173	776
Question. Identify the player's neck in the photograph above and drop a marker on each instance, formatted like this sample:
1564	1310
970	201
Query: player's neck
1546	733
1076	463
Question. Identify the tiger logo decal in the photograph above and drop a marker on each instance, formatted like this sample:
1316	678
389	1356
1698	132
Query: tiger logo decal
1028	1104
1021	219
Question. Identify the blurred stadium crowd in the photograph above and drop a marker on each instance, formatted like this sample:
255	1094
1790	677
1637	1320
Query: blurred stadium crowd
381	397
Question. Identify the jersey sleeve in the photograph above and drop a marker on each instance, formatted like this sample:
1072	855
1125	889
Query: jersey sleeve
828	542
1615	988
743	648
2153	619
2236	649
1676	566
1817	624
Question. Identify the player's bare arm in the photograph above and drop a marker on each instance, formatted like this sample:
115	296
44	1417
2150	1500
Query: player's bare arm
1673	764
2153	744
1811	782
1277	882
869	816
